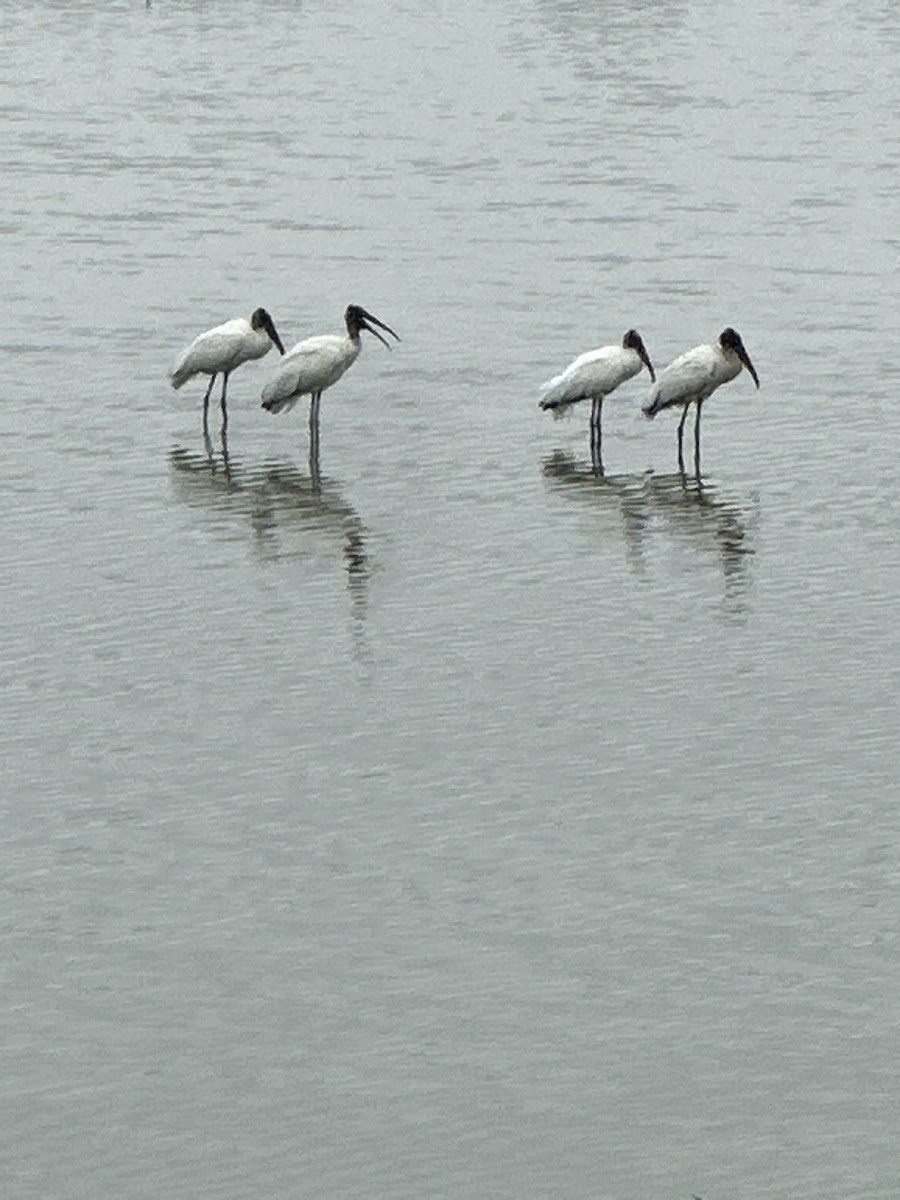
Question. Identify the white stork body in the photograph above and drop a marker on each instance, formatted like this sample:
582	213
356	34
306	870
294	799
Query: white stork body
593	375
316	363
223	350
694	376
310	367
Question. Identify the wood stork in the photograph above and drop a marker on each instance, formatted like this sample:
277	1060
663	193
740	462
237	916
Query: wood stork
693	377
222	350
316	363
594	375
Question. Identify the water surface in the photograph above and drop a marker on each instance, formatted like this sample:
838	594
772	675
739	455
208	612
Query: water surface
442	818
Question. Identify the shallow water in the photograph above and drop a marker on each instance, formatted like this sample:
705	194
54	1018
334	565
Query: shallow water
444	818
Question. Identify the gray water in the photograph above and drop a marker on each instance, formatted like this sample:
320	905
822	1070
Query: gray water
463	823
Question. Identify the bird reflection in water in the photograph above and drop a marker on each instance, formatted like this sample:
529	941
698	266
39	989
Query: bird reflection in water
282	505
681	508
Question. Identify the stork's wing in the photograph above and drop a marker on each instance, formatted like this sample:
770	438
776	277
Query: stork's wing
306	367
210	351
595	373
684	377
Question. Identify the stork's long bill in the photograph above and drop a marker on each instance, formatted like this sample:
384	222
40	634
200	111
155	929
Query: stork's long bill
634	341
730	339
273	333
262	320
357	318
745	359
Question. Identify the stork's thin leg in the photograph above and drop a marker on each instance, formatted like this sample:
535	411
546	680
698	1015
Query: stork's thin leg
596	434
314	473
222	402
596	458
212	380
684	413
596	417
697	440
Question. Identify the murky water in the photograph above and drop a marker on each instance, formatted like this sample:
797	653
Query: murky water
448	819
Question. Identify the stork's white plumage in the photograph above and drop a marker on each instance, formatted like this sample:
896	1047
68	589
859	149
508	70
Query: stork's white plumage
593	375
316	363
597	373
694	376
222	350
311	366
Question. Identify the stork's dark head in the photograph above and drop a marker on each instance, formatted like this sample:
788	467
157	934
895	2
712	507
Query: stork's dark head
357	318
633	341
262	320
730	339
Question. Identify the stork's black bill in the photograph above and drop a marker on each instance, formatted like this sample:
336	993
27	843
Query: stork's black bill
357	318
730	339
262	320
633	341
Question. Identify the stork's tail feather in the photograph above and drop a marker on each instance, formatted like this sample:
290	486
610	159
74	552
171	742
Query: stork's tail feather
557	407
558	395
278	404
650	410
177	379
549	403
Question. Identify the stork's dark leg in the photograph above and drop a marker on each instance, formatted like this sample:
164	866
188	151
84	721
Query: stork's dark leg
596	434
697	440
596	458
222	402
314	473
212	380
684	413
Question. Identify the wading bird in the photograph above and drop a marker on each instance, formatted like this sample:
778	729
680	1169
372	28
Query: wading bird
594	375
222	350
693	377
314	364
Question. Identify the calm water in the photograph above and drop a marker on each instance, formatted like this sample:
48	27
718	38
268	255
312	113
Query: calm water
461	823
